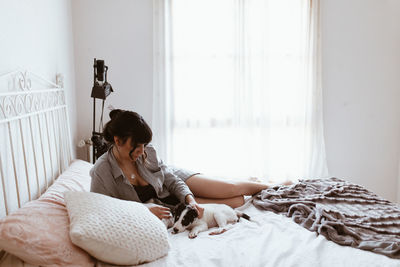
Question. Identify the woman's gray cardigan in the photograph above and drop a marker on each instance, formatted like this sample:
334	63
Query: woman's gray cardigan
108	178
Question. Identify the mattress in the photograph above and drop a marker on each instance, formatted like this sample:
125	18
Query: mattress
269	240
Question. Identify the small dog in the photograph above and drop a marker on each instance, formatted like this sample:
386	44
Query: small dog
220	215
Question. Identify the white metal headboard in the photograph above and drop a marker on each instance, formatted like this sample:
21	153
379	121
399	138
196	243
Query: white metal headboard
35	144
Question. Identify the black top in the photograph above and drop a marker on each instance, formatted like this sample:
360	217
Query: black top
147	192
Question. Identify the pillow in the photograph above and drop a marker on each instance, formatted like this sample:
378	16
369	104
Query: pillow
38	233
75	178
115	231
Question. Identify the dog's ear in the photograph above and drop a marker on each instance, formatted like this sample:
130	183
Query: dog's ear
178	210
189	216
193	212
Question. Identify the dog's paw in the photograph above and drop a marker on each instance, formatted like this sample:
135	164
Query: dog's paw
192	235
218	232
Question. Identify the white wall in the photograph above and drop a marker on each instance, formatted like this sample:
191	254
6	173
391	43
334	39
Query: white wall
361	87
361	78
120	32
37	36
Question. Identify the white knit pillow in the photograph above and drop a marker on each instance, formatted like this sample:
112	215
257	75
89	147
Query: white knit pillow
115	231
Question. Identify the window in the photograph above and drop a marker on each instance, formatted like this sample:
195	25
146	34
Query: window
242	90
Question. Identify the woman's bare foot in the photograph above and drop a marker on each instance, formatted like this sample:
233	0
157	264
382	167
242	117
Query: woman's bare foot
287	182
274	183
255	179
269	183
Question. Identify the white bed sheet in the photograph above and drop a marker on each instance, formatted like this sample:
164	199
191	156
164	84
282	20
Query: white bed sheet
277	241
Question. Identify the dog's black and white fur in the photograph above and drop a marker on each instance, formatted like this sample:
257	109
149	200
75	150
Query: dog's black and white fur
220	215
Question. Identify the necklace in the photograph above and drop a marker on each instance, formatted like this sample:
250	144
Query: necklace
117	157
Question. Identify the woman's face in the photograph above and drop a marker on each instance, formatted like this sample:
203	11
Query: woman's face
125	148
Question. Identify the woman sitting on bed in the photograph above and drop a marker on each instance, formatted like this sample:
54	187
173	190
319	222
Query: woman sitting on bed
131	170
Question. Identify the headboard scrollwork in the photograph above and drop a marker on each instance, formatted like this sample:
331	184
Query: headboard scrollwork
35	136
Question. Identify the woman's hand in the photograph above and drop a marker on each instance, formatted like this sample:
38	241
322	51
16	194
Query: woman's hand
192	202
160	211
199	209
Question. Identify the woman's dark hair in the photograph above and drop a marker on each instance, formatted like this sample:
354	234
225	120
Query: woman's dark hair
125	124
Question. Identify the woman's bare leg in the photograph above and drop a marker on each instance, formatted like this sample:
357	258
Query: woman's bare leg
207	187
233	202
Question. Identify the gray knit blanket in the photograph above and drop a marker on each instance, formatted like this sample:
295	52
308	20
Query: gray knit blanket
345	213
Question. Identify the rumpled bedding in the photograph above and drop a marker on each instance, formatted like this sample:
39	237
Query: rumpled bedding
343	212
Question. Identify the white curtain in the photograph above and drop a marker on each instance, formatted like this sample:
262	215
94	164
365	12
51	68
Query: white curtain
237	87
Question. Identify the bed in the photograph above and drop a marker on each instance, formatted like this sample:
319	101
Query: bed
37	168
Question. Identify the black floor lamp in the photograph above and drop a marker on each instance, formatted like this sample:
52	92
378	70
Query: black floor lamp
101	89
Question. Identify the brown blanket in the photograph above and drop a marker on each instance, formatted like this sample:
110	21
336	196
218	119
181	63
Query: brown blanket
345	213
